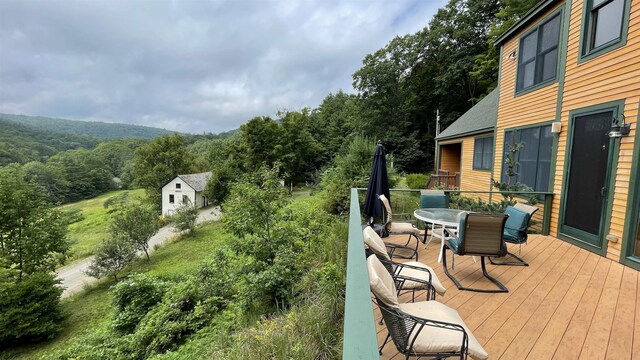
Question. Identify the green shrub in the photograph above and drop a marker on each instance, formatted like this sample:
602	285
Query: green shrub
351	169
417	181
133	299
29	309
179	314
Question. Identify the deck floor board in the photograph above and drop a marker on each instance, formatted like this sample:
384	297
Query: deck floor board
568	304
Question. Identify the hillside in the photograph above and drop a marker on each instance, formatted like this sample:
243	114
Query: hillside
91	128
20	143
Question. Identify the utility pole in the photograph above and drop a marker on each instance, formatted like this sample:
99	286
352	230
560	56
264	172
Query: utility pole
435	152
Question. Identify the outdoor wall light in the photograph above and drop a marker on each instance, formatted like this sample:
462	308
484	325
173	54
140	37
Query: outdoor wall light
619	130
512	55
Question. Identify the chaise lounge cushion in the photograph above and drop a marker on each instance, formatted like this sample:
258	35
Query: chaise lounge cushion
381	282
434	340
403	228
421	275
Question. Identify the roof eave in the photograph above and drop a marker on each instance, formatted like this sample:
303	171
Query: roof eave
465	134
526	18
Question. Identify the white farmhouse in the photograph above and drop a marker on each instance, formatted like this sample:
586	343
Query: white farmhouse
183	188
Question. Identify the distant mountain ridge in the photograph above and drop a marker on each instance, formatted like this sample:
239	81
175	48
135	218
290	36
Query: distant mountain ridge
96	129
21	143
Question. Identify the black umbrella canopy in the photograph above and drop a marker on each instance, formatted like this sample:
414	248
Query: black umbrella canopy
378	184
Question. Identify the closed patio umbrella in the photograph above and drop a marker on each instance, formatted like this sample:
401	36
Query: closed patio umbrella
378	184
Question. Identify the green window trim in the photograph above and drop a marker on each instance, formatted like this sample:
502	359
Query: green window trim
587	53
557	48
551	174
483	148
632	220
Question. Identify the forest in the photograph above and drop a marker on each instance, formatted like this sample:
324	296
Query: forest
266	255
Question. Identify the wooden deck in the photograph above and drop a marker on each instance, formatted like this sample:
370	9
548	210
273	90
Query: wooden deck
568	304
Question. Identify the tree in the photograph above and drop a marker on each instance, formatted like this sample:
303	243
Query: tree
185	217
261	139
136	224
32	234
29	309
158	162
222	178
253	204
113	255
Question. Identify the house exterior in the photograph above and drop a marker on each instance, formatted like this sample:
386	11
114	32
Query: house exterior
184	188
569	71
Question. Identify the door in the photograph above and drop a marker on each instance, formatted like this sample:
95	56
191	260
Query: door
588	172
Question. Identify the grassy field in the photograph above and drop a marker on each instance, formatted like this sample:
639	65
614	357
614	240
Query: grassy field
92	308
86	235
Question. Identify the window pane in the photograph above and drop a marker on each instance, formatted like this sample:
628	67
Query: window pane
598	2
529	44
608	22
487	153
550	33
528	156
528	74
477	154
549	65
544	159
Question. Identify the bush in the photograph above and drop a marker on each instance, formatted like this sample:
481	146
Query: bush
113	255
184	218
29	309
134	298
351	169
417	181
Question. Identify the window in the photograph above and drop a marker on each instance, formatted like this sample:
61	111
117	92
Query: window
178	186
534	158
483	153
603	23
538	59
171	199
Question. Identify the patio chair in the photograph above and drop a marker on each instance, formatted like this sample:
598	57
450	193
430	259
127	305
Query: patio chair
425	328
400	228
410	276
479	235
515	230
433	199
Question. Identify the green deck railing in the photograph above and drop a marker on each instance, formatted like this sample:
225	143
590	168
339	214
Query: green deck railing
360	340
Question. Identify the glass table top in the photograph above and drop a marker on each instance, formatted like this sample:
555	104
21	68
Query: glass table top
439	214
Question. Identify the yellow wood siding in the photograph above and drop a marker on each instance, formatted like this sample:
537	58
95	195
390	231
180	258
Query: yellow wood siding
529	108
612	76
470	179
608	77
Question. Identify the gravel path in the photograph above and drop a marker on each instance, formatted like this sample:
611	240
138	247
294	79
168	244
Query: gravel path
73	276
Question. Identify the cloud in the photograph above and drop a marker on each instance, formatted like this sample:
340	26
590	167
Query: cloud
192	66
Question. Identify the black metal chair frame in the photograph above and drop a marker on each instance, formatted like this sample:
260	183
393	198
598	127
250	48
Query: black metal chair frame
395	268
503	252
413	251
519	261
401	326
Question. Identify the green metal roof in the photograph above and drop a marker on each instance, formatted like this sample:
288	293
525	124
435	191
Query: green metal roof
480	118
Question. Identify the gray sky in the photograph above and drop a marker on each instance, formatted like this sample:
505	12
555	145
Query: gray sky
192	66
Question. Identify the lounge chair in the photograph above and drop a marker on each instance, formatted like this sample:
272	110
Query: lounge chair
410	276
400	228
479	235
423	329
515	230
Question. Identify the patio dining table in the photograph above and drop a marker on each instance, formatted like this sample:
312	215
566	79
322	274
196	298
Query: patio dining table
445	218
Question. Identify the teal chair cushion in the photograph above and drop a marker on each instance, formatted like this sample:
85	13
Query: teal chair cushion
454	244
434	201
515	229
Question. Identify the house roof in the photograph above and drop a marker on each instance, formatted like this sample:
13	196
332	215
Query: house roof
527	18
480	118
197	181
